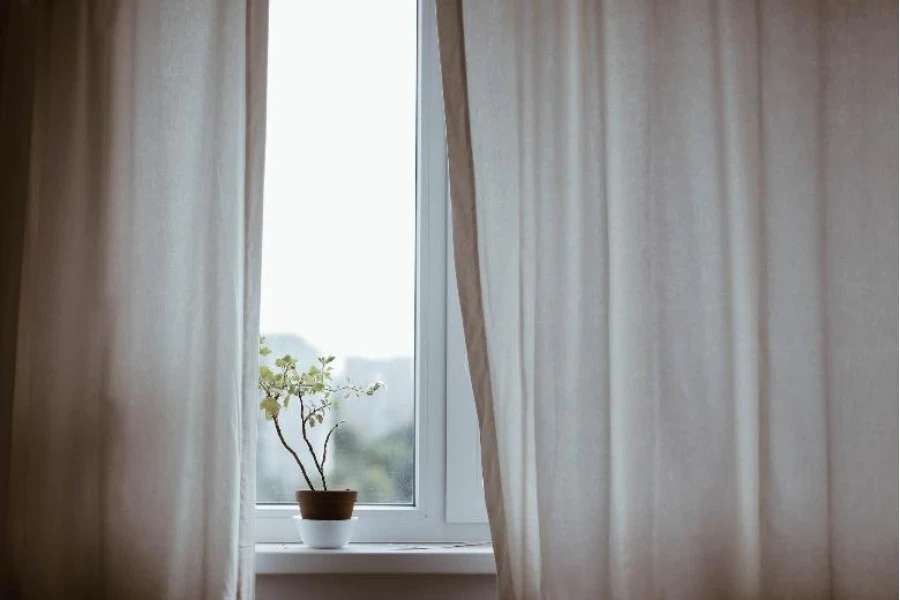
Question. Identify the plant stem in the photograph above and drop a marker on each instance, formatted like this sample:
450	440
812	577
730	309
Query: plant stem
291	450
327	439
310	446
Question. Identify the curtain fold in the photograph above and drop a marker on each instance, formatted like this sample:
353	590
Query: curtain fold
675	229
131	381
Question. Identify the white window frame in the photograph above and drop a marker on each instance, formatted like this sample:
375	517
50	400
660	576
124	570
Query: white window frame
449	498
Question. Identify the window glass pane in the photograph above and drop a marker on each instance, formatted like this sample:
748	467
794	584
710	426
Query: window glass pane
338	273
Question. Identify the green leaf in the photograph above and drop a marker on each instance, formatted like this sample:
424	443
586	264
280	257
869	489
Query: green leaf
319	417
270	407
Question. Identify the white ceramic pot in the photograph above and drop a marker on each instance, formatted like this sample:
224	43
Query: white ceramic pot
324	534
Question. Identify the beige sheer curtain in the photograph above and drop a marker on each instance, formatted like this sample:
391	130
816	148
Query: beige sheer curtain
675	230
133	136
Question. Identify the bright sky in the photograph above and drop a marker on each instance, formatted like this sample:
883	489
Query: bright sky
339	214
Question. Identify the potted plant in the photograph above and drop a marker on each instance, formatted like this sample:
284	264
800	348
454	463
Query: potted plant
325	514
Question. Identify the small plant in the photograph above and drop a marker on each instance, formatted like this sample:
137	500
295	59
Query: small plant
316	394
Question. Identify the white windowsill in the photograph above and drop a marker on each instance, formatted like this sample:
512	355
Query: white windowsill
410	559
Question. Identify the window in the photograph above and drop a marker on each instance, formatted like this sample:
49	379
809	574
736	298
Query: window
339	243
356	264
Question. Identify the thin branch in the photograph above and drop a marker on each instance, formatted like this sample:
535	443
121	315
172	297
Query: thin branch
358	390
309	444
319	409
327	439
291	450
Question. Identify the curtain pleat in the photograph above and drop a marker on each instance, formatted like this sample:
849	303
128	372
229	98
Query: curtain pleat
465	249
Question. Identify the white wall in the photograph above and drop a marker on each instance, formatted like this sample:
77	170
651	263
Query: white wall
375	587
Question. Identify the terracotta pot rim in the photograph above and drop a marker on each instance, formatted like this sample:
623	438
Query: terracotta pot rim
326	505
